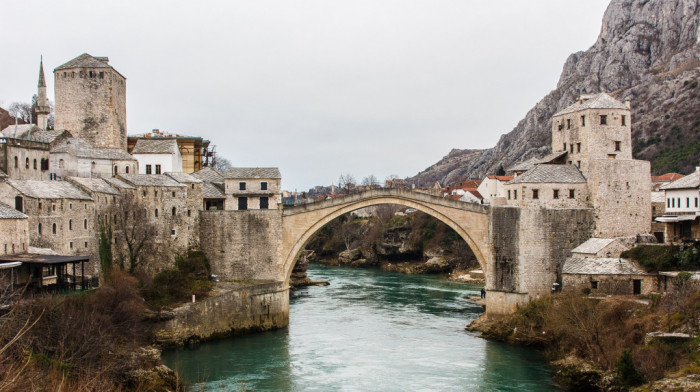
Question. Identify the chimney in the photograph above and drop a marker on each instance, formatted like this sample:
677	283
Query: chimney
628	104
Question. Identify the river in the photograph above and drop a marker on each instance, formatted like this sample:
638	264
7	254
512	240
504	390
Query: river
367	331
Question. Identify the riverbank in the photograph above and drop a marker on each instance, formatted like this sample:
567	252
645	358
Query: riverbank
604	344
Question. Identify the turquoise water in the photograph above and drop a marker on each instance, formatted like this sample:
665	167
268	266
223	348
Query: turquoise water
368	331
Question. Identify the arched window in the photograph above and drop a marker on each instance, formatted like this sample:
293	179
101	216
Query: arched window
127	170
84	223
35	164
53	228
156	212
174	211
39	228
26	163
116	170
16	162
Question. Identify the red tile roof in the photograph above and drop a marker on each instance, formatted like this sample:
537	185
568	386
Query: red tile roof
666	177
500	178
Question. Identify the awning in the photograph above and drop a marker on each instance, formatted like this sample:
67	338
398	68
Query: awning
675	218
10	265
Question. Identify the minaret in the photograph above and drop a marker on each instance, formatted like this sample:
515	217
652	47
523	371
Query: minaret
42	105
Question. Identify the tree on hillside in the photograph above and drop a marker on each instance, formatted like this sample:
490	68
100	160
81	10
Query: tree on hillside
346	183
134	230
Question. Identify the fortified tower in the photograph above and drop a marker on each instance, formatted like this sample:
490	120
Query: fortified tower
91	101
42	105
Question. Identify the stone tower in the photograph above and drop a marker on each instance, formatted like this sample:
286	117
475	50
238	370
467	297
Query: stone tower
42	105
91	101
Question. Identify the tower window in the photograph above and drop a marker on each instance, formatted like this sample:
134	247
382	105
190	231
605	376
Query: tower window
623	120
578	147
35	167
617	145
156	212
264	203
556	194
571	147
572	193
583	121
26	165
515	194
263	186
568	123
53	228
535	193
174	211
241	186
564	146
603	119
16	162
84	223
39	228
242	203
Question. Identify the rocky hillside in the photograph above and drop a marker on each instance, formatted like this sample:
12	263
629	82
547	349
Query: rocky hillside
648	52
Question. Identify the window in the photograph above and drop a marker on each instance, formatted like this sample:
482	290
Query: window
535	194
85	224
696	202
556	194
102	75
583	121
19	203
53	207
673	203
70	206
70	244
173	194
508	195
242	203
174	211
564	146
571	147
678	202
53	228
687	202
172	232
594	284
578	164
156	212
16	162
241	186
157	169
568	123
116	170
155	193
572	194
40	204
70	224
148	169
127	170
144	193
264	203
39	228
35	167
611	156
578	147
603	119
189	213
263	186
561	126
617	145
623	120
26	165
668	203
515	194
86	244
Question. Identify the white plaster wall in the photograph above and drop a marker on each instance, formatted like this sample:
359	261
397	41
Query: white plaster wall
689	201
167	162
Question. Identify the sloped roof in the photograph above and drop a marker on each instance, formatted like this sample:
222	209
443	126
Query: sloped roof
593	245
658	197
3	174
150	180
666	177
31	132
500	178
117	183
692	180
94	185
209	174
183	177
523	166
212	191
7	212
86	61
567	174
601	266
82	149
49	189
549	158
155	146
593	101
253	172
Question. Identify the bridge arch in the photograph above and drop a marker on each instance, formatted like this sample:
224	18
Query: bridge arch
300	223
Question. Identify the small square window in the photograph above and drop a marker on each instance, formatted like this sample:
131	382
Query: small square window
157	169
148	169
572	194
603	119
556	194
535	194
594	284
241	186
618	145
173	194
578	147
263	186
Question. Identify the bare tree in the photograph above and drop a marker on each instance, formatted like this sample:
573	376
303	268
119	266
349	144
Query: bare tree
134	230
222	164
346	183
22	111
370	181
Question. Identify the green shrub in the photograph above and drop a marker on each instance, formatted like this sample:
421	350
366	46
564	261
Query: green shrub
174	286
627	372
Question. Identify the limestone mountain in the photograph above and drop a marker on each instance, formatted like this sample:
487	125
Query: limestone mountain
648	52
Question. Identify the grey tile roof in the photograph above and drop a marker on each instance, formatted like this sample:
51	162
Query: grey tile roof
183	177
593	245
7	212
209	174
523	166
82	149
690	181
94	185
567	174
31	132
117	183
155	146
253	172
85	61
49	189
150	180
551	157
593	101
601	266
658	197
212	191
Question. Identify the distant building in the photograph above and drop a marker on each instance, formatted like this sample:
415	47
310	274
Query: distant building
492	187
157	156
73	157
194	151
682	208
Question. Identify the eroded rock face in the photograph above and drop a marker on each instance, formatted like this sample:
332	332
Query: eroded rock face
648	52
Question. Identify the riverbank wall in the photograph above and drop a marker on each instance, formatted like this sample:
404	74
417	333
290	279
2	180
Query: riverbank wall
232	308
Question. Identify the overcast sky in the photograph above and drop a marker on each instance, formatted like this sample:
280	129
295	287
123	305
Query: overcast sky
316	88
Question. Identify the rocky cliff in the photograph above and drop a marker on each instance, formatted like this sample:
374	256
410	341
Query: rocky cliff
648	52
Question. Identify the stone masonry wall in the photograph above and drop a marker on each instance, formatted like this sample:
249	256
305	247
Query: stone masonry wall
92	108
22	153
228	311
504	226
242	244
13	236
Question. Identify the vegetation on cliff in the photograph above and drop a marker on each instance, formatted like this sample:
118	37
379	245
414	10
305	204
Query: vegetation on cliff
604	344
655	258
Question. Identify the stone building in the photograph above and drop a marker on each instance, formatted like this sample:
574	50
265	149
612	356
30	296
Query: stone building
73	157
682	208
606	276
193	150
550	186
14	236
493	186
252	188
157	156
213	194
60	214
91	101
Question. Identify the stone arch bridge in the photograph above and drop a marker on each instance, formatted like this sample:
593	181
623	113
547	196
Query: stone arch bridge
519	249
